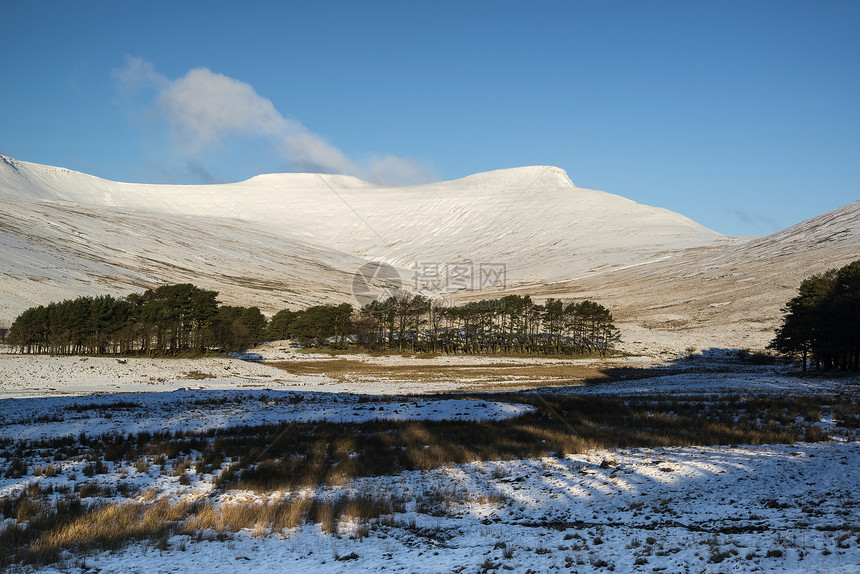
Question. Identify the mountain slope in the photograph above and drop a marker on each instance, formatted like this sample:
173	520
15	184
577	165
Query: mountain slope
51	251
534	220
721	296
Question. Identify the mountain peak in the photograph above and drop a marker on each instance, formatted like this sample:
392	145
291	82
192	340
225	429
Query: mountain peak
534	175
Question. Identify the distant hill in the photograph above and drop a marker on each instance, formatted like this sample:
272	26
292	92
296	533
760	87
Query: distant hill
290	240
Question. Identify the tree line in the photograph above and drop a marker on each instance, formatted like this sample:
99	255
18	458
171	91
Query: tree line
511	324
167	321
822	323
414	323
184	319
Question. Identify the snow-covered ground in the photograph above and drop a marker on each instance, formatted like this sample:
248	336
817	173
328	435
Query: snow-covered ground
766	382
771	508
42	375
784	508
201	410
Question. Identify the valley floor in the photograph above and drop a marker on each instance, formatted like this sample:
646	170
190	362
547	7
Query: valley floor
785	508
731	508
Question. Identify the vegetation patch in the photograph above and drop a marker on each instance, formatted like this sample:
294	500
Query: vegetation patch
300	460
184	320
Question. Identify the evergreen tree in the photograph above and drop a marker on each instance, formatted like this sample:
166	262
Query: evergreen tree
280	325
174	319
823	321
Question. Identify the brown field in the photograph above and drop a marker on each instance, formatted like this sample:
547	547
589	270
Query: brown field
507	375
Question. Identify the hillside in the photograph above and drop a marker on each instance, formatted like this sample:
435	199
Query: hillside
532	219
721	296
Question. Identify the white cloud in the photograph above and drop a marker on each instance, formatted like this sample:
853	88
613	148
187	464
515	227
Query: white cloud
138	74
204	109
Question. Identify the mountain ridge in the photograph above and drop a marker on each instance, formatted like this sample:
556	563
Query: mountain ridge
449	221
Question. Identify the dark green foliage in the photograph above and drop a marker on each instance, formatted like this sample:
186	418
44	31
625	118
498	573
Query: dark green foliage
183	319
279	327
324	324
169	320
512	324
83	325
238	328
823	321
179	316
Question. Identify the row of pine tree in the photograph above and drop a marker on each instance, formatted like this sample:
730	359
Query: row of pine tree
821	324
511	324
167	321
186	320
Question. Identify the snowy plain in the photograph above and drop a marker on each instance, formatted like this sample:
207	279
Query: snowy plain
782	508
738	508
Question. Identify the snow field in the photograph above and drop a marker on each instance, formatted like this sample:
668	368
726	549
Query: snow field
742	508
784	508
201	410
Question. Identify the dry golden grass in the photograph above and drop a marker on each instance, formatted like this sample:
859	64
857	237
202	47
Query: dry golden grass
198	375
113	525
507	375
235	517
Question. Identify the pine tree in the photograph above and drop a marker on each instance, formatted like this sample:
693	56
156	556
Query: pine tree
823	321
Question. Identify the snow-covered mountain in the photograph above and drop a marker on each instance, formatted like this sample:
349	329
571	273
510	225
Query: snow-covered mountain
83	229
283	240
533	219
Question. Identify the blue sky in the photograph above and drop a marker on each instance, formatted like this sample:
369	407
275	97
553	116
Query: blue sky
743	116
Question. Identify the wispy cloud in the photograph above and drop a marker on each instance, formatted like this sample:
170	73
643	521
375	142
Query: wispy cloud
758	221
188	171
393	170
204	110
